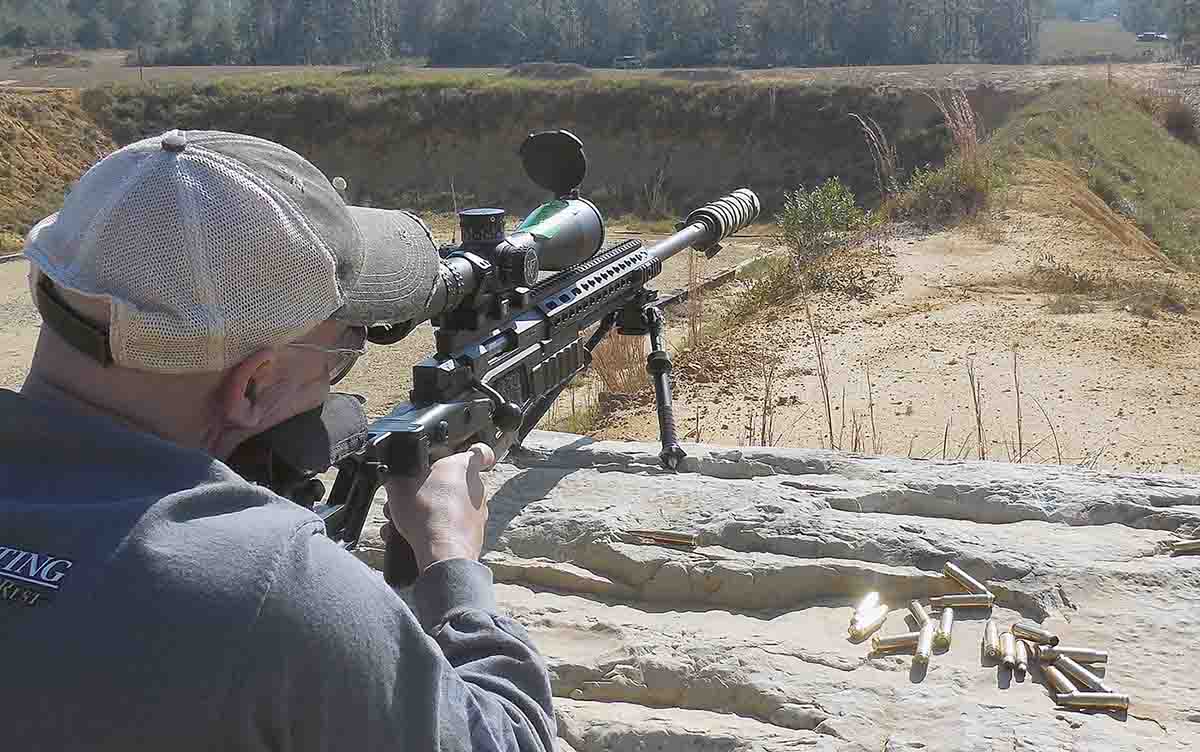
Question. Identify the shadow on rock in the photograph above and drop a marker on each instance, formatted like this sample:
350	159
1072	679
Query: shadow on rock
519	491
1004	677
917	673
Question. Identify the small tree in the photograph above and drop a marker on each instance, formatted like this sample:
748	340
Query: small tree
812	224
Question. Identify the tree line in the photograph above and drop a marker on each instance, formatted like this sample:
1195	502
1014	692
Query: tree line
504	32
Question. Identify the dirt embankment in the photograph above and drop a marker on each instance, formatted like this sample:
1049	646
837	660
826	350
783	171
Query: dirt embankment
46	141
654	145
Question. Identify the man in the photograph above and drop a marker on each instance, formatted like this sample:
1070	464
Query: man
197	289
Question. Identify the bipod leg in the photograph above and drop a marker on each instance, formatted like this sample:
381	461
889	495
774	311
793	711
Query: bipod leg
658	365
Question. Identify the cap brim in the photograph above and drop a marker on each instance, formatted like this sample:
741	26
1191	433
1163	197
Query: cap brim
400	266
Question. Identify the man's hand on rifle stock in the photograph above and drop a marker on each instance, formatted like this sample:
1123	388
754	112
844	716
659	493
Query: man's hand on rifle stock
442	516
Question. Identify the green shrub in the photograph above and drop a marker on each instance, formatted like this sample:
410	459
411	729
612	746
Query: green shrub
1179	119
833	246
812	224
945	195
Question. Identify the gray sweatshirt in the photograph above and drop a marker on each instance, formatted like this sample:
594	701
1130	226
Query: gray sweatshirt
151	599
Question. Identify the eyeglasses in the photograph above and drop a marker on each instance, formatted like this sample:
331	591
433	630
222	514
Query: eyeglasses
350	347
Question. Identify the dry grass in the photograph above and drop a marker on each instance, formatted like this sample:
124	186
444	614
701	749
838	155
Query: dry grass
760	430
818	340
577	409
1140	296
862	271
46	141
960	119
883	154
1049	274
655	203
962	187
1018	446
701	74
695	300
10	242
54	60
619	362
1066	304
977	407
550	71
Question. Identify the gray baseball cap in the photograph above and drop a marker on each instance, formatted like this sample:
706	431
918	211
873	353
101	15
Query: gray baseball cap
207	246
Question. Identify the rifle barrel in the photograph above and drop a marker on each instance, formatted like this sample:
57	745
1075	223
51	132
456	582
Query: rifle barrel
695	234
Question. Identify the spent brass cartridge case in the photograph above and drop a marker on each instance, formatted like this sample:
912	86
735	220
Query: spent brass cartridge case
1008	649
859	630
1022	656
941	637
919	613
991	639
881	644
1106	700
1079	674
1080	655
972	600
924	644
1034	633
867	605
1057	680
1186	547
969	583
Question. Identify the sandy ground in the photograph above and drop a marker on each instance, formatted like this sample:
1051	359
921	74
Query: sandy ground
1117	389
384	375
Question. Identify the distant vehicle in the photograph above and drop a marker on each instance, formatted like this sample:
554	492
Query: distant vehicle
628	61
1151	36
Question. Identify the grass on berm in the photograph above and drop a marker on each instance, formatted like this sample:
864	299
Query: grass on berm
1115	136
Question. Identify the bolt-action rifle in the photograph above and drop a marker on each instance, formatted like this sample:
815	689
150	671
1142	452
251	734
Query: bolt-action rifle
507	344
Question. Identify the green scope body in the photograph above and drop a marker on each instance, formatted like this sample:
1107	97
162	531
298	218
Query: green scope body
563	232
555	236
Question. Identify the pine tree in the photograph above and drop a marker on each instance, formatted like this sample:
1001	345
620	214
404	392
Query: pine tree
195	19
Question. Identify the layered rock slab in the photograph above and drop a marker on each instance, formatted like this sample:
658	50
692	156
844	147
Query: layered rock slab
741	642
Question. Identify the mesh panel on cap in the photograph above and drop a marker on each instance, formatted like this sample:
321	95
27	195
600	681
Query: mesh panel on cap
146	261
269	274
64	247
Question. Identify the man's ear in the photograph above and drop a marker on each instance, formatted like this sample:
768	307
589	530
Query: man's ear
240	392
